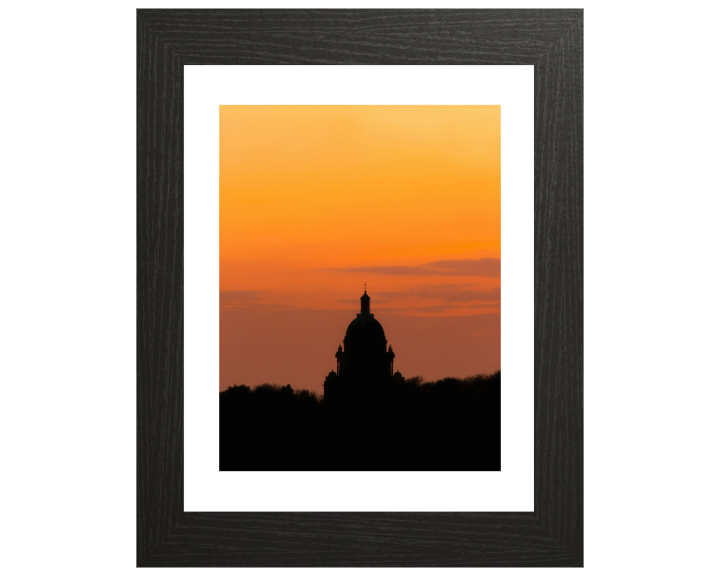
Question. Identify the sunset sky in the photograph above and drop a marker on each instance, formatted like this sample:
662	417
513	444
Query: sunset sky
317	200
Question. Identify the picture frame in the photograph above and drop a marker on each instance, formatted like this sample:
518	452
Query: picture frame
551	41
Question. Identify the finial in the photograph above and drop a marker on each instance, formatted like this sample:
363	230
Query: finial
365	286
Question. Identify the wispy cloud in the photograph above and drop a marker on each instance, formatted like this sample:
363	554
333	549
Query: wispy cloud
485	267
448	295
254	299
236	298
447	299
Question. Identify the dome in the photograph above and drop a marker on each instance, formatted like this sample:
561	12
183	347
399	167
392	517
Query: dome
365	358
365	333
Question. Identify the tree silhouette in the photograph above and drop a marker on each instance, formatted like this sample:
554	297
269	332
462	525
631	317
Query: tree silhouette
388	424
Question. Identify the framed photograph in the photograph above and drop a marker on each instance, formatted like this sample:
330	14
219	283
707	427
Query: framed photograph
350	224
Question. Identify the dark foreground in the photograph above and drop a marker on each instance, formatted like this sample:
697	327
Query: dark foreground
449	425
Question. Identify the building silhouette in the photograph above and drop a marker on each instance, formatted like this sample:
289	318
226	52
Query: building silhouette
365	361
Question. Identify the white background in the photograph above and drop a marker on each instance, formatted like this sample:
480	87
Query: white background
651	281
206	489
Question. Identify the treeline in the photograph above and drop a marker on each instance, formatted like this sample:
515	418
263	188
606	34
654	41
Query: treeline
450	424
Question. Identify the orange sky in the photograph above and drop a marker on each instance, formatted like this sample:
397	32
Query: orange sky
317	200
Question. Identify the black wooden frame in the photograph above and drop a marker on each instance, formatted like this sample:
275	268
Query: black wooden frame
552	41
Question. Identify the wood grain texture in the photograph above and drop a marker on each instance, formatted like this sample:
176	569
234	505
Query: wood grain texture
552	41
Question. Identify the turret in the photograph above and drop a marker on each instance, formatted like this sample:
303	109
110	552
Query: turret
365	304
339	356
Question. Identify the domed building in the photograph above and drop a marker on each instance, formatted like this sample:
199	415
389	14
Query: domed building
365	359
